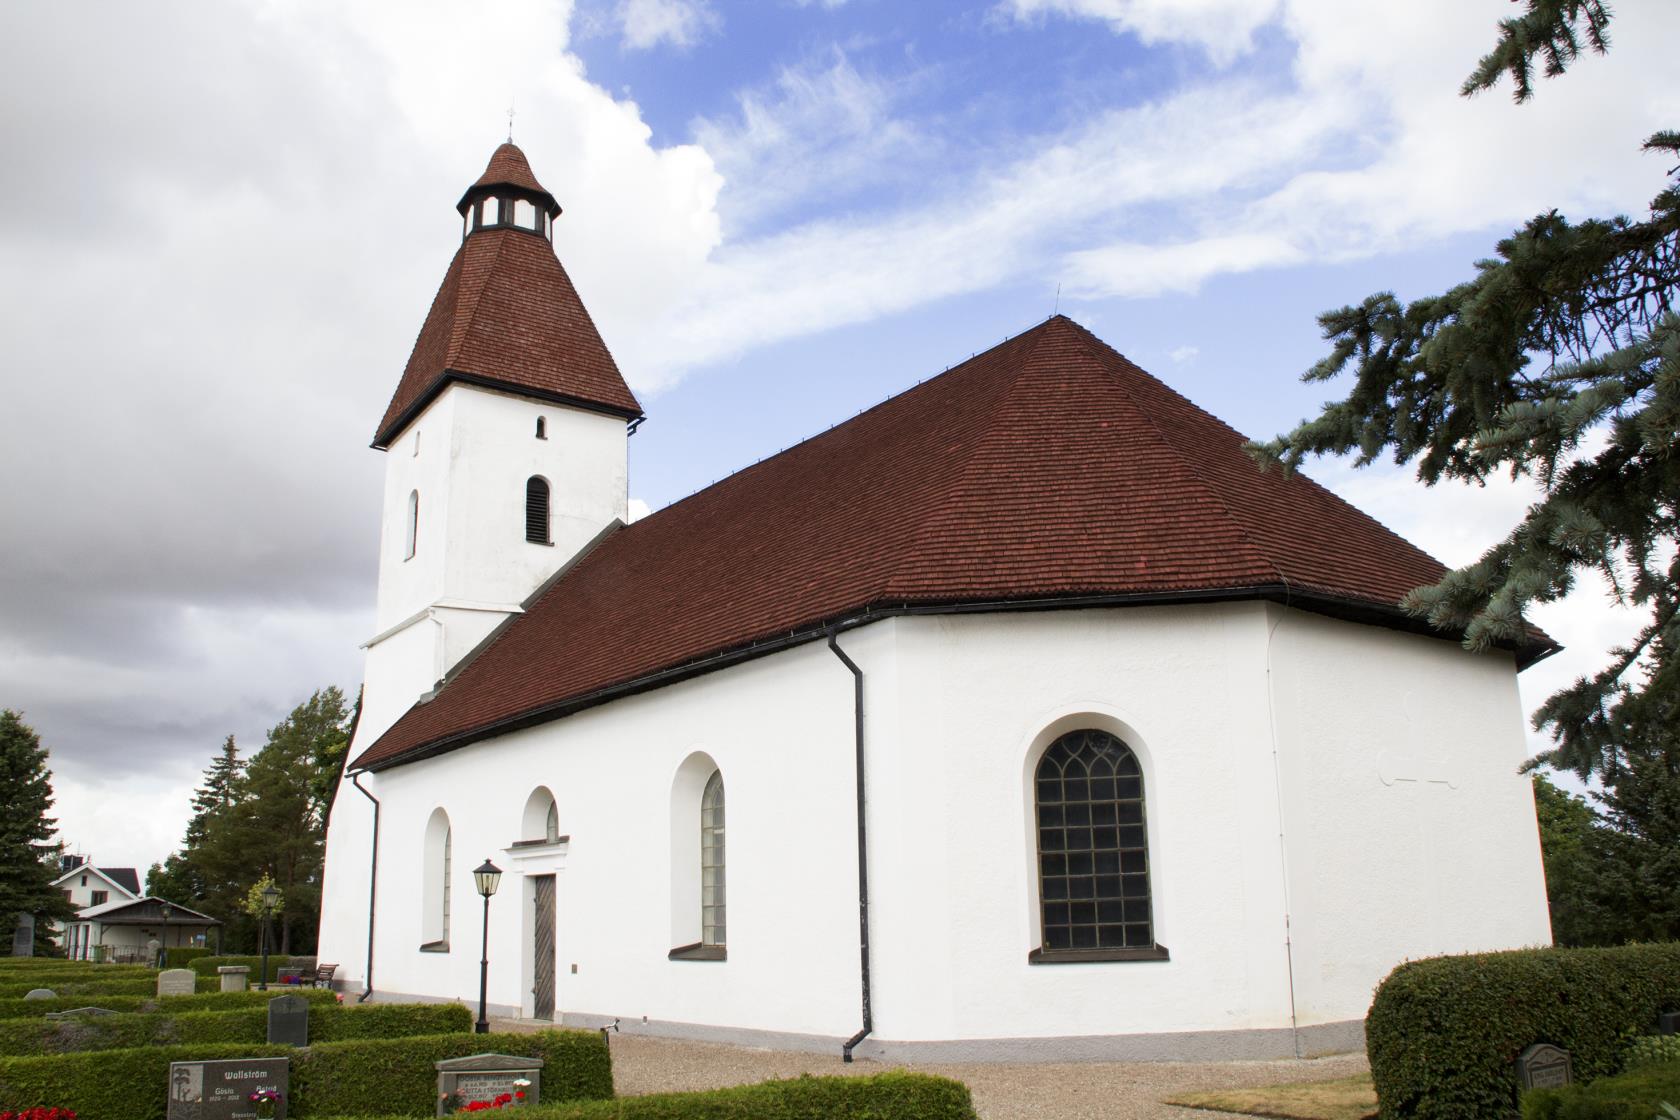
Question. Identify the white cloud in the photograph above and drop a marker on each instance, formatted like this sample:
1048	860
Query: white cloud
680	23
1223	28
1183	354
638	510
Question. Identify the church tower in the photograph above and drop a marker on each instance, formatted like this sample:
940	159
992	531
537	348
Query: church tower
505	443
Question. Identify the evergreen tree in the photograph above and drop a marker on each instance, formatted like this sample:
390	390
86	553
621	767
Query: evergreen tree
1566	823
28	855
1560	362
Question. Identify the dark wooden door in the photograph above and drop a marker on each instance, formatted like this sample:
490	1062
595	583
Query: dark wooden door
542	936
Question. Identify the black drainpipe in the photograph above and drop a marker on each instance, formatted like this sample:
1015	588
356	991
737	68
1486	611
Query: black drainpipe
863	847
373	878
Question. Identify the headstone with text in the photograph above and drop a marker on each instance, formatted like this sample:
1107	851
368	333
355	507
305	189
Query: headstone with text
177	982
288	1021
1544	1066
229	1090
485	1077
233	976
40	993
23	936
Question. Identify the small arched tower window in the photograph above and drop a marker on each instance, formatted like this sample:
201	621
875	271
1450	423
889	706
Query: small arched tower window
1093	851
713	910
542	427
536	510
411	532
436	874
540	823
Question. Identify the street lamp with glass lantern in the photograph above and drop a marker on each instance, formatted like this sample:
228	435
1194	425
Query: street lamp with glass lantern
270	899
488	877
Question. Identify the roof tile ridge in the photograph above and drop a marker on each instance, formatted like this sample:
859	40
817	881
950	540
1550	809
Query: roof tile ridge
960	475
1089	342
971	360
458	343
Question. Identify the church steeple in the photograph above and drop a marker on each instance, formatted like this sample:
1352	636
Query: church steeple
506	316
508	195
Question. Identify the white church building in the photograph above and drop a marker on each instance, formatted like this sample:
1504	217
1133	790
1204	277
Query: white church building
1021	716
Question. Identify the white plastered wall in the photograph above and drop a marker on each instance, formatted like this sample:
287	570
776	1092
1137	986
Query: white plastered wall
1410	831
779	728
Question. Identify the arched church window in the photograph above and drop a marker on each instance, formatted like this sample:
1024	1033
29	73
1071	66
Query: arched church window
551	824
1093	852
713	911
542	427
436	874
412	530
536	510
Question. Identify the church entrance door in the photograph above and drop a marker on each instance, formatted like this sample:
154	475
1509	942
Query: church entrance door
542	935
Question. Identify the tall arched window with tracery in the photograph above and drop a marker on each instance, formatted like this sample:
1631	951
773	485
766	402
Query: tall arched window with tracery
536	510
713	912
1093	852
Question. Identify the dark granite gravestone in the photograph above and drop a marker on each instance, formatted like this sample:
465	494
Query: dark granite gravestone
288	1021
1668	1022
484	1077
222	1090
1544	1066
40	993
23	936
79	1013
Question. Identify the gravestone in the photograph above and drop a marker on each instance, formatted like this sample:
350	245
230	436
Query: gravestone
40	993
79	1013
222	1090
1544	1066
23	936
177	982
484	1077
233	976
288	1021
1668	1022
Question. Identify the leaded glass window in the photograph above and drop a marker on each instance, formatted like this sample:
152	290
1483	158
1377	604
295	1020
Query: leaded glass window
712	908
551	826
1093	850
447	875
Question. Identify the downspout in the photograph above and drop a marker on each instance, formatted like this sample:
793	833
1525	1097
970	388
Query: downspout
373	879
863	846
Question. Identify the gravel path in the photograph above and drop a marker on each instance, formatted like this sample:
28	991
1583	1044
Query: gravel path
1028	1091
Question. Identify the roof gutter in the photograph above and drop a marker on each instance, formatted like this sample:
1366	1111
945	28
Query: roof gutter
862	842
1356	610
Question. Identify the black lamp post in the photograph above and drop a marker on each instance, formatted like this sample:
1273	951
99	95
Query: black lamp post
488	877
163	953
270	898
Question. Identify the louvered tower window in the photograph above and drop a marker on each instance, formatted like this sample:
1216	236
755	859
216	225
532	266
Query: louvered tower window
536	510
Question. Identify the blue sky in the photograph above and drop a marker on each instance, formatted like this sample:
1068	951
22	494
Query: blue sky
220	228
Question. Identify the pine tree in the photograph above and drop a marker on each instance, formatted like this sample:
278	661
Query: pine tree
1559	362
28	855
218	794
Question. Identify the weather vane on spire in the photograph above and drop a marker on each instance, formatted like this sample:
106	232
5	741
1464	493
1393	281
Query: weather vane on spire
510	120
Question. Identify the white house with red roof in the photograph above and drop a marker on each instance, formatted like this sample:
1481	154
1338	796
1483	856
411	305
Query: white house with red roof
1023	716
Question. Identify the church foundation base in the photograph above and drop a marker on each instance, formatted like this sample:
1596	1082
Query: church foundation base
1316	1041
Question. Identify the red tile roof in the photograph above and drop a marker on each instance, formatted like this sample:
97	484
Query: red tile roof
1048	468
507	316
508	167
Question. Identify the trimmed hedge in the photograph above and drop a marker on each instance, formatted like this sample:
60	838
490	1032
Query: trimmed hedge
328	1022
182	956
204	1001
207	965
1443	1034
883	1096
139	986
371	1077
1631	1096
